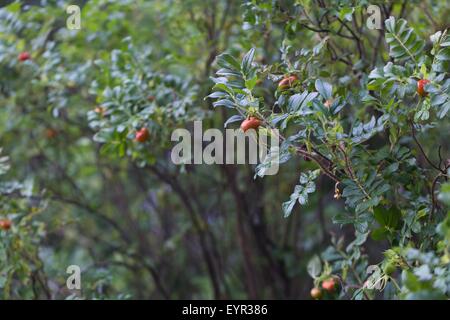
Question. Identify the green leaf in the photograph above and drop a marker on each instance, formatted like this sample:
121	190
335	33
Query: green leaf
250	83
346	13
227	61
224	103
444	194
288	206
235	118
402	40
441	52
314	267
246	64
306	185
224	72
423	273
379	234
216	94
296	100
388	218
324	88
299	102
363	132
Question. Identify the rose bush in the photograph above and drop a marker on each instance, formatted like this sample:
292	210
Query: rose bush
359	209
388	194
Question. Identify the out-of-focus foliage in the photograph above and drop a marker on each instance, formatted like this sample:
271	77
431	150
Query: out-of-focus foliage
80	190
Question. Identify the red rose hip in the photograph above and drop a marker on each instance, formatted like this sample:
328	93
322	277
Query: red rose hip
329	285
420	87
142	135
250	123
24	56
287	82
5	224
316	293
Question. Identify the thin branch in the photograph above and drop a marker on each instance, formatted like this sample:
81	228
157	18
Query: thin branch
413	131
440	156
196	220
433	197
355	37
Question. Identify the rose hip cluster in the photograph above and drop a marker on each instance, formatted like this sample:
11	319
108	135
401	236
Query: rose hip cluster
329	286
